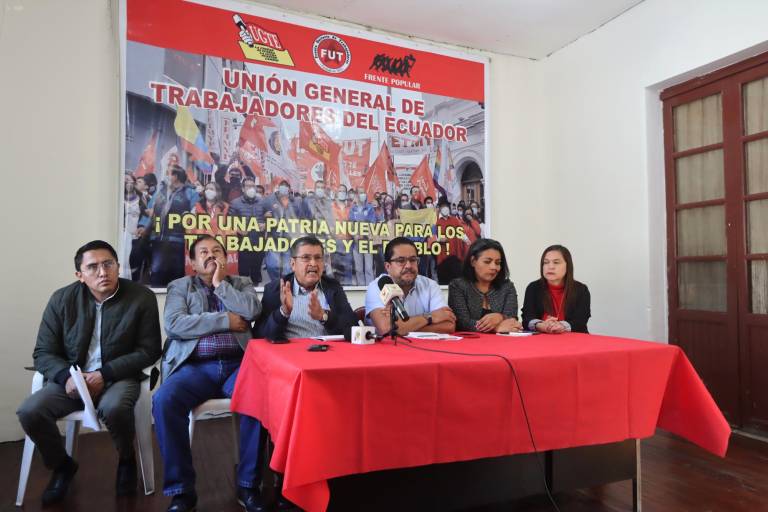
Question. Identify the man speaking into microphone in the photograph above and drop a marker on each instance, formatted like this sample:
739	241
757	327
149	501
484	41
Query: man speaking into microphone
423	307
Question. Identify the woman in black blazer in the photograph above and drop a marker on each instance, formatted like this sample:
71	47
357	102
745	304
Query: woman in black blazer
557	302
484	299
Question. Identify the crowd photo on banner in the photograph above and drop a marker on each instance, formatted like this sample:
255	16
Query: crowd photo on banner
259	180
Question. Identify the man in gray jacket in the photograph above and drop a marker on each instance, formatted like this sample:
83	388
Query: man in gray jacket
110	328
208	320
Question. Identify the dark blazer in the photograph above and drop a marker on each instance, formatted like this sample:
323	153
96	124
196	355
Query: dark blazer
466	301
130	332
577	314
272	323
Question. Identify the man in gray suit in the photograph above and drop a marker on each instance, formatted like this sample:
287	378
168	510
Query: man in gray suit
208	320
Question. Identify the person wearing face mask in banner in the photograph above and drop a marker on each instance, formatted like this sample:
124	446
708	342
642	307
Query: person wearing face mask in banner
234	178
139	258
422	298
473	227
249	205
477	212
341	260
319	207
362	211
131	215
213	205
280	205
415	203
556	303
178	197
454	249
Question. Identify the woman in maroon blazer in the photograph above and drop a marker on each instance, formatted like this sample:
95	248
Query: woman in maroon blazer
557	302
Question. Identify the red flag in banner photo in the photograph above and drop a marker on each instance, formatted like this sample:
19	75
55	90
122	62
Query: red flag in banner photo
314	139
380	174
355	155
250	155
147	160
253	131
422	178
252	142
277	162
310	168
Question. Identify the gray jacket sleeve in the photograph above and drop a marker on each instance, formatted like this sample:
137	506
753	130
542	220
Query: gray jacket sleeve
240	299
458	301
180	323
510	301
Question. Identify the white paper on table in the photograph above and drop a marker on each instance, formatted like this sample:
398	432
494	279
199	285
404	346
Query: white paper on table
90	419
420	335
514	334
329	337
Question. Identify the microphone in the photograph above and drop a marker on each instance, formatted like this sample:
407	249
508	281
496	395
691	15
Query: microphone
368	335
390	292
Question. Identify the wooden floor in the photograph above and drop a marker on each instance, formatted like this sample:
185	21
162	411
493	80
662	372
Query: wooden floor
677	477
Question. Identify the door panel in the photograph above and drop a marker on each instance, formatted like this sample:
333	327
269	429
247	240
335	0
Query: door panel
716	156
702	341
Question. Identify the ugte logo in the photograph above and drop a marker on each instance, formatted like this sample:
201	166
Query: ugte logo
331	53
260	44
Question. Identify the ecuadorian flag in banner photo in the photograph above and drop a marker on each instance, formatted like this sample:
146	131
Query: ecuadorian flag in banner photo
192	140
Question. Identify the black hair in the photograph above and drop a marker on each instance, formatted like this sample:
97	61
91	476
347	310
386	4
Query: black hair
93	245
429	198
568	280
305	240
201	238
400	240
150	179
479	246
179	173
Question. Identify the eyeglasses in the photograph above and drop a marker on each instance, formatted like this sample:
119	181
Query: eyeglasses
93	268
413	260
306	258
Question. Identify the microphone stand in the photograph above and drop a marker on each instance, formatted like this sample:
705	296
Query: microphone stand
393	324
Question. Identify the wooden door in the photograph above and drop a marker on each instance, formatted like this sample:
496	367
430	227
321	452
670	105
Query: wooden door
716	151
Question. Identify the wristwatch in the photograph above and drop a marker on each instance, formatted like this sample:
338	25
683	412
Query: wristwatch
428	316
325	317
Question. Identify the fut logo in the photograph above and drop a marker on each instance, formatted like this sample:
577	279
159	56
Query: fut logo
331	53
397	66
260	44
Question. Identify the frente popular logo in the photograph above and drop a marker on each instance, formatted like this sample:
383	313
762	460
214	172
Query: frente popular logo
331	53
260	44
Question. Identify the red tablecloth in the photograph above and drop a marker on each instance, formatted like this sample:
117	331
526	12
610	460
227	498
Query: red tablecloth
360	408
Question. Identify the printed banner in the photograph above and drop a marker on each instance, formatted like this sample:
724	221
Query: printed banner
259	128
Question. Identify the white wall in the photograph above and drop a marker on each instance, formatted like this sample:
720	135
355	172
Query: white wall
599	104
569	155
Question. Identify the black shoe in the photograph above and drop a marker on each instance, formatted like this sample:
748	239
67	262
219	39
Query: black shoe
59	485
125	483
250	499
183	502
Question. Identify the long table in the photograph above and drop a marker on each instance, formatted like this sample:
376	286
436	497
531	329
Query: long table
363	408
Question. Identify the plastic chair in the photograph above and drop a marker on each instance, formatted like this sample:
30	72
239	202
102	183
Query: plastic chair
142	412
212	409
